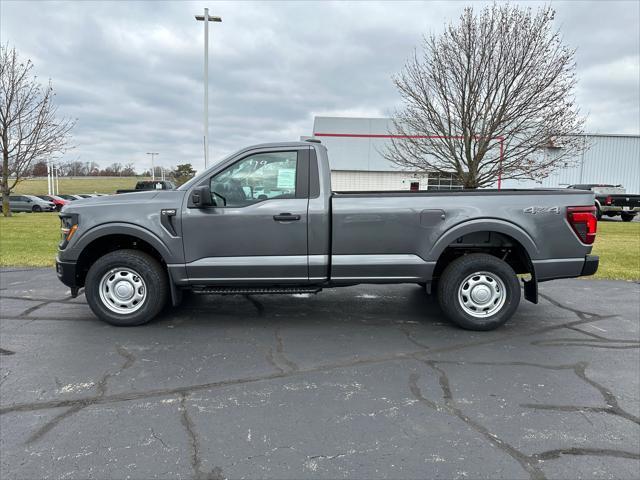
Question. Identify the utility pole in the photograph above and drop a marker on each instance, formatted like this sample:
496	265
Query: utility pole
153	169
206	19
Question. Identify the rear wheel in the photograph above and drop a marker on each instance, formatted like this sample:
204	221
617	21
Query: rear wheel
126	288
627	217
479	292
598	212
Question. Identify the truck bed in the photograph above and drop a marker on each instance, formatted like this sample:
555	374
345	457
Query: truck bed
393	234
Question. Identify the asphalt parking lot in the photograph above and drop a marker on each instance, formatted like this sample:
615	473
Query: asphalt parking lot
362	382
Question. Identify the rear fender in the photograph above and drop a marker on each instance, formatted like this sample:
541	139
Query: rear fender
483	225
499	226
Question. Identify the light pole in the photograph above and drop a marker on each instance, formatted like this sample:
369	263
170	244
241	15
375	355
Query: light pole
49	177
206	19
153	168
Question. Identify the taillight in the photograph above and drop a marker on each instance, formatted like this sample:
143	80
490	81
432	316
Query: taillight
584	223
608	200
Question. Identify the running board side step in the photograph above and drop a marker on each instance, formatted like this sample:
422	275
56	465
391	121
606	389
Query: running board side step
253	290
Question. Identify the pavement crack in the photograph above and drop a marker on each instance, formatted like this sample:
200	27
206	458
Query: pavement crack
51	424
5	376
583	315
411	338
154	435
189	426
598	452
280	356
579	369
591	334
34	299
4	351
272	361
101	388
528	463
128	396
256	303
30	310
612	407
591	343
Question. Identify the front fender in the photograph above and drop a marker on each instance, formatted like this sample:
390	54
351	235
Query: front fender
73	250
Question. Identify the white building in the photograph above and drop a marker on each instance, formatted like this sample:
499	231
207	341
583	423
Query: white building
357	162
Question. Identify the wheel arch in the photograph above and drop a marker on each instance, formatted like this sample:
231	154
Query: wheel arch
114	236
496	237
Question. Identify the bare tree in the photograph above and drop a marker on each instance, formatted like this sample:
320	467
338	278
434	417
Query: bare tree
129	170
39	169
29	129
492	97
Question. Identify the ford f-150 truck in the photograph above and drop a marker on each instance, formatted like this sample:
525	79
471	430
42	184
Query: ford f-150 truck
264	220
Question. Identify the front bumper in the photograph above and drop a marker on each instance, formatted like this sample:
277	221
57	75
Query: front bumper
66	272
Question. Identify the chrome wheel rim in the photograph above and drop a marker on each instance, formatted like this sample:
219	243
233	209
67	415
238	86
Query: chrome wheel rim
482	294
122	290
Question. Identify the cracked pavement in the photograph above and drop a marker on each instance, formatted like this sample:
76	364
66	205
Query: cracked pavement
360	382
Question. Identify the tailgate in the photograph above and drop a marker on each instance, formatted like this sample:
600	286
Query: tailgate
632	201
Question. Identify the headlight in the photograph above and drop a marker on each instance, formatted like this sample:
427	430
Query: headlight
68	227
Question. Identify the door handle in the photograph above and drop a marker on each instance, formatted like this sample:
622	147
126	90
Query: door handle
286	217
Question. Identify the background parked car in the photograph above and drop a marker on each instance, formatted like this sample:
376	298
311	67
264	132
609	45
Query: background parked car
56	200
71	198
29	203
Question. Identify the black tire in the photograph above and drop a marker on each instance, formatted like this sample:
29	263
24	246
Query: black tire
144	265
458	272
36	209
627	217
598	213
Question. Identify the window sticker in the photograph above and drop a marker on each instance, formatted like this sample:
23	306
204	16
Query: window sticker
287	178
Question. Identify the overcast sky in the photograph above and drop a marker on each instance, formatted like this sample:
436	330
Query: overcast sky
131	72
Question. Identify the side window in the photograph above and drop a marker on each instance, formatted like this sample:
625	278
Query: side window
256	178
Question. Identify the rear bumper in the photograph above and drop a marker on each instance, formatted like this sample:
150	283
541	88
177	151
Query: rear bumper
555	268
590	265
66	272
619	209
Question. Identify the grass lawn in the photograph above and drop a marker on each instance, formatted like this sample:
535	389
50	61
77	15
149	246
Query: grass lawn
38	186
31	239
618	245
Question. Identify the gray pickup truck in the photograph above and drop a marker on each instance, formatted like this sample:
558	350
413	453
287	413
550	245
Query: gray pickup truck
265	221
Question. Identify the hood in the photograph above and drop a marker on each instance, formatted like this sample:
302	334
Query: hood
122	199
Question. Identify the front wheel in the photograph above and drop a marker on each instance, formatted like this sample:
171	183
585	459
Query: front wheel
627	217
36	209
479	292
126	288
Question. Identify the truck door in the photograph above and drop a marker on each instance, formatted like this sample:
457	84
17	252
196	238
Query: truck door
257	232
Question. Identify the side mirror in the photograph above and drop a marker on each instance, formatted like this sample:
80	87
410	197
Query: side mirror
201	197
